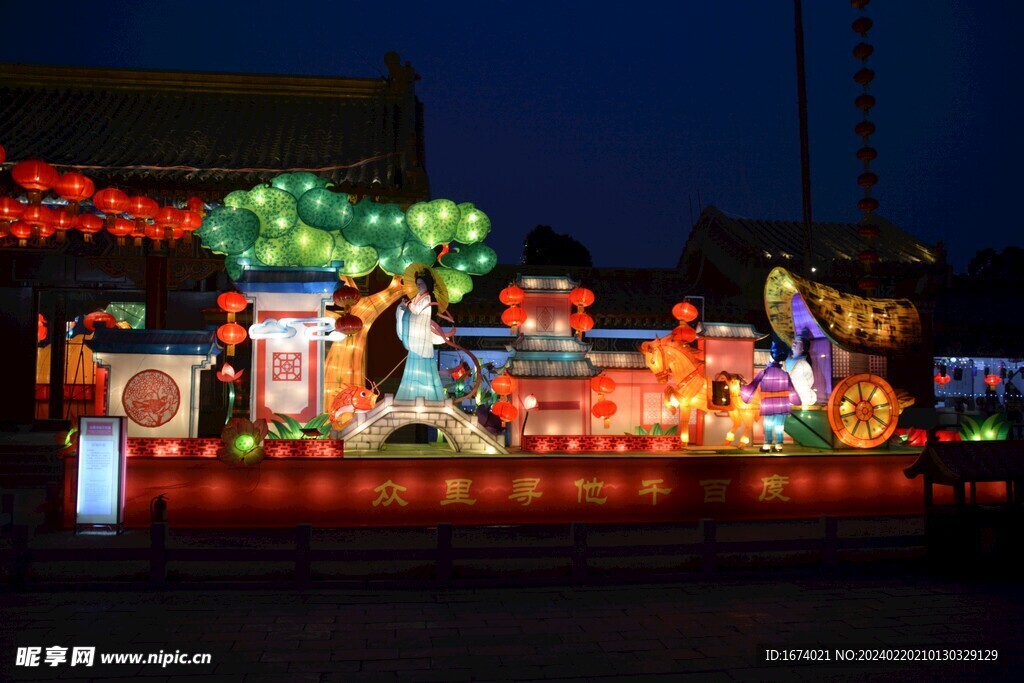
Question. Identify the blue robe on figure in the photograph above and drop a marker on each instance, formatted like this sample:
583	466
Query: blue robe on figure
420	378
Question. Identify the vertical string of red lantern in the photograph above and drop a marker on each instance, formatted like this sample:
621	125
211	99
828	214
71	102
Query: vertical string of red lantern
581	322
231	333
603	409
503	385
867	228
513	316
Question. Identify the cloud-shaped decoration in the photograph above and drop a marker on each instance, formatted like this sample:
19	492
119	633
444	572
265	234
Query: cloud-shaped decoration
273	252
433	222
324	209
474	224
309	247
226	230
298	184
377	225
271	329
459	284
239	199
475	259
356	261
275	208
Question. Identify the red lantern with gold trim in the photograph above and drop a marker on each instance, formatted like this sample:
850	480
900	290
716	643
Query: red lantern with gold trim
685	312
512	295
603	410
36	177
503	385
10	209
89	224
23	231
581	297
110	201
505	411
602	384
232	302
231	334
121	228
75	188
581	322
349	325
513	316
346	296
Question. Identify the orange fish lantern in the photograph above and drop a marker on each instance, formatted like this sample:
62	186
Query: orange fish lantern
349	401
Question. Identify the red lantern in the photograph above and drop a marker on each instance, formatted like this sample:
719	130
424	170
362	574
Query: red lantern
513	316
63	221
3	154
75	188
511	296
10	209
684	333
603	410
167	216
581	296
191	221
89	224
232	302
99	318
37	215
110	201
46	230
504	411
581	322
942	380
155	232
993	380
231	333
22	231
142	208
35	176
685	312
503	384
602	384
349	325
121	228
345	296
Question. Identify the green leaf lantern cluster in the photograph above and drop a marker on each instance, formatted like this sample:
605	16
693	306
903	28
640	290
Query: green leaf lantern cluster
298	221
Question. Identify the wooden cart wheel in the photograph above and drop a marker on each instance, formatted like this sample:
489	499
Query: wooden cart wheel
863	410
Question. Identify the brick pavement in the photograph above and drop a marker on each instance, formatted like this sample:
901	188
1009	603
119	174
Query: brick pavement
699	630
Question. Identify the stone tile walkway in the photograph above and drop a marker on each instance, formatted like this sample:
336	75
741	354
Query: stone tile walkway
699	630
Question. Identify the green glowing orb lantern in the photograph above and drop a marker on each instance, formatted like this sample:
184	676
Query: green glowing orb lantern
475	259
474	224
356	261
239	199
275	208
379	225
433	222
309	247
298	184
324	209
459	284
227	230
391	261
273	251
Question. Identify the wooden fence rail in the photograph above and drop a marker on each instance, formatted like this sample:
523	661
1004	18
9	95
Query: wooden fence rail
579	551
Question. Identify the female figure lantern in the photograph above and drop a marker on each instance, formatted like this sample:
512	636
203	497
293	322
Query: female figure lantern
798	365
415	329
777	396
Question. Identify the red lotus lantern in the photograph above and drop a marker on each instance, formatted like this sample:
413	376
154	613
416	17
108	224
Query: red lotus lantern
99	318
36	177
346	296
349	325
22	231
110	201
513	316
685	312
231	334
504	411
121	228
511	296
602	384
581	297
503	384
89	224
993	380
581	322
75	188
603	410
232	302
684	333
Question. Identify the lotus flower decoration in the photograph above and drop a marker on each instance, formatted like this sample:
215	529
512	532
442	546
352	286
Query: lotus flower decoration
243	441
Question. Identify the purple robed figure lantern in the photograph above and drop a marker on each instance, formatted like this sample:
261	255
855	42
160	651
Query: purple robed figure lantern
777	396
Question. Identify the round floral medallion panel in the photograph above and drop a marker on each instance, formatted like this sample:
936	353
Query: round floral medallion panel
151	398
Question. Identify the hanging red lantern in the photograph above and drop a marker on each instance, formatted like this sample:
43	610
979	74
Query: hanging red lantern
941	379
684	333
3	154
121	228
75	188
191	221
232	302
167	216
22	231
581	296
62	222
36	177
993	380
10	209
110	201
505	411
231	334
41	328
512	296
685	312
581	322
603	410
46	230
346	296
99	318
37	215
513	316
503	385
155	232
349	325
142	208
602	384
89	224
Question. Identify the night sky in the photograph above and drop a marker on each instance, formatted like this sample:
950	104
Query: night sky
607	121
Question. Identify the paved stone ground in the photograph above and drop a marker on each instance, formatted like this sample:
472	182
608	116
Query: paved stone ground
698	630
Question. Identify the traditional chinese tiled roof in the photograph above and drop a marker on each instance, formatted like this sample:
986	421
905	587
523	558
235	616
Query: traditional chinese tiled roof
547	284
728	331
965	461
617	360
210	133
160	342
572	369
532	344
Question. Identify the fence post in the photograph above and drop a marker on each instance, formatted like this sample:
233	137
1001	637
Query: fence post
22	555
830	534
444	552
158	554
709	553
303	548
578	535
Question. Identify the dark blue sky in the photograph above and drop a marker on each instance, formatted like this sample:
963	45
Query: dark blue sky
604	120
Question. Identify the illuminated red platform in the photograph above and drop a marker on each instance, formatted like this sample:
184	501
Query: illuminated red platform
553	488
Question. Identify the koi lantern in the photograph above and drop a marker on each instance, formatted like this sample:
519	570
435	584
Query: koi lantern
511	296
121	228
231	334
685	312
513	317
603	410
99	318
75	188
993	380
36	177
581	297
505	411
349	325
602	384
345	297
111	201
581	322
503	384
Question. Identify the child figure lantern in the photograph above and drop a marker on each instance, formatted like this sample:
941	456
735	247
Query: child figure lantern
419	333
777	396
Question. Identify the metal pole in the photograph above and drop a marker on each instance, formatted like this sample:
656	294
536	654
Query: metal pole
805	154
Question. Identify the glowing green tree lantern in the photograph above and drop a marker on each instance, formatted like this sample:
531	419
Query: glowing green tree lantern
474	224
392	262
298	184
275	208
309	247
379	225
475	259
414	251
324	209
459	284
273	251
356	261
435	222
226	230
239	199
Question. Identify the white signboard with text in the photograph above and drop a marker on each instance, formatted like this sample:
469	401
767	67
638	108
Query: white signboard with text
102	458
